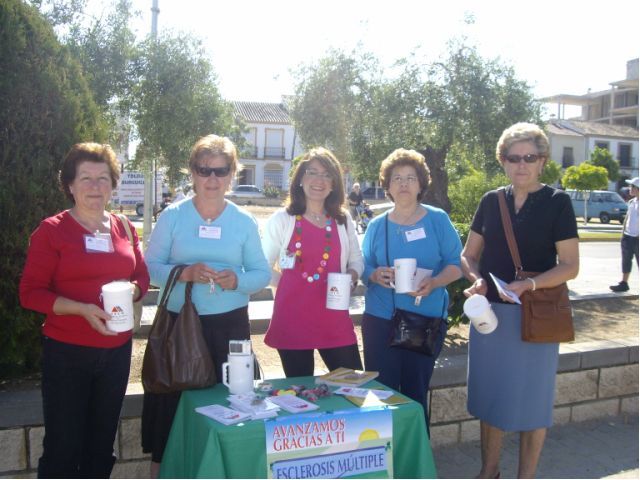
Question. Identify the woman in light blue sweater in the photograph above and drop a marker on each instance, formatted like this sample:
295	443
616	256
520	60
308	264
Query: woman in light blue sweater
221	245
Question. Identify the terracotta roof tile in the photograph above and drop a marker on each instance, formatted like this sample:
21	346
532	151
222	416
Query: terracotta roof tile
261	112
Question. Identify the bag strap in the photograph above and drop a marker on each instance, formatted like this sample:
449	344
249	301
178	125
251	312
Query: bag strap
171	282
125	224
386	248
508	230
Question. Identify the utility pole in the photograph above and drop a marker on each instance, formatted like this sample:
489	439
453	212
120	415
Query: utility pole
150	177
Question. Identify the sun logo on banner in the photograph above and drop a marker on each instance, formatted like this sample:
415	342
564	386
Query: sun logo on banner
368	434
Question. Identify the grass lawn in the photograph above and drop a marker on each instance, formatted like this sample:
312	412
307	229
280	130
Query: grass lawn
599	236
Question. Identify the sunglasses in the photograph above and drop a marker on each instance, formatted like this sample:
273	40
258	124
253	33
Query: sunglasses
529	158
207	171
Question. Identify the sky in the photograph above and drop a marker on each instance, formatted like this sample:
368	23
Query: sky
560	46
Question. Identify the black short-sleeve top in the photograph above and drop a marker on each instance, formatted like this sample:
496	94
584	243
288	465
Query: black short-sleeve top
545	218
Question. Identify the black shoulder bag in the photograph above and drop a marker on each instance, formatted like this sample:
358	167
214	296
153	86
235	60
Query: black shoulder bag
411	331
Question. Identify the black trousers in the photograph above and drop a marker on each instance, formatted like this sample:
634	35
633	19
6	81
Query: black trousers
82	393
299	363
629	247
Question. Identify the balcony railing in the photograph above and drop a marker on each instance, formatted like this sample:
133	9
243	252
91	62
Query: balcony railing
273	152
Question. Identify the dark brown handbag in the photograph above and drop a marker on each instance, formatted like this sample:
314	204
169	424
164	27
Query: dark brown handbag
546	312
176	357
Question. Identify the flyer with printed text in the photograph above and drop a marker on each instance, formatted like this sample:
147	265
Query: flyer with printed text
349	444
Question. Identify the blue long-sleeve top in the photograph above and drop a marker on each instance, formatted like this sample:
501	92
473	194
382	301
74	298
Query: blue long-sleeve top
440	248
175	241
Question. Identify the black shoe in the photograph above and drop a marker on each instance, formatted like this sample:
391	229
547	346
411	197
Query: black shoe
620	287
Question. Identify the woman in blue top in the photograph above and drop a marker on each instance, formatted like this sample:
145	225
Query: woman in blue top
413	230
221	245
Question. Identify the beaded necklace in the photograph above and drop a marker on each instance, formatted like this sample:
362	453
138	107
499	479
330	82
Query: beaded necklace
313	277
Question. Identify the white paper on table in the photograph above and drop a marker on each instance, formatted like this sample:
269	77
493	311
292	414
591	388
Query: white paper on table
363	392
222	414
500	284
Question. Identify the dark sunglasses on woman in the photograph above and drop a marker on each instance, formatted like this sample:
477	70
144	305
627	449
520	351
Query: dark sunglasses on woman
207	171
529	158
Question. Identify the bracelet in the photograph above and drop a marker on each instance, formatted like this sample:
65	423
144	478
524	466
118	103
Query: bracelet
533	282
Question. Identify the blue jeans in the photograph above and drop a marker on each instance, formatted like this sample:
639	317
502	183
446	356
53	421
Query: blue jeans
82	393
407	372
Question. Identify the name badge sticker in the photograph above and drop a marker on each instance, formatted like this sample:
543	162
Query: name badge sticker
287	260
415	234
98	243
210	231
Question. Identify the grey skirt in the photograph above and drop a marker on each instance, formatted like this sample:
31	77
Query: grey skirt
511	383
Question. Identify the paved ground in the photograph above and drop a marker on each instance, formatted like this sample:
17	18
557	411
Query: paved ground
605	448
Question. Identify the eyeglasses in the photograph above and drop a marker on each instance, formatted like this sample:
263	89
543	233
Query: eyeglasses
314	174
400	179
529	158
207	171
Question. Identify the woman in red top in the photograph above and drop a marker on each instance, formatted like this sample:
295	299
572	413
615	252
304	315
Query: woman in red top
85	366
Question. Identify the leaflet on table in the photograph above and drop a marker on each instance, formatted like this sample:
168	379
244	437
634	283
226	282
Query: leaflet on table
255	405
293	404
363	392
500	284
224	415
346	377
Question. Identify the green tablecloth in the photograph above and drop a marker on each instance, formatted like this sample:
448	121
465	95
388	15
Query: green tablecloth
200	447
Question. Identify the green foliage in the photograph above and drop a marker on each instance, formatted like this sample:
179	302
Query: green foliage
455	289
176	101
45	107
585	177
108	52
466	193
552	173
601	157
462	103
271	191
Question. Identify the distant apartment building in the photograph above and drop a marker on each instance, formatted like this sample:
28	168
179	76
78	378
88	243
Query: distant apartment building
609	120
271	144
615	106
572	142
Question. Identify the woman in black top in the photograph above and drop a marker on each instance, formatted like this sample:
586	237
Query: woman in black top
511	383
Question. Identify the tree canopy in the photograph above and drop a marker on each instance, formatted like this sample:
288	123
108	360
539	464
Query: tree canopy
176	101
460	103
601	157
45	107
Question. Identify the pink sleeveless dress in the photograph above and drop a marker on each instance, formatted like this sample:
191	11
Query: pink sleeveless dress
300	319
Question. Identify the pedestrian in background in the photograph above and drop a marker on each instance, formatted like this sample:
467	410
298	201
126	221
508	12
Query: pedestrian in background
85	366
511	383
221	245
303	243
629	241
410	230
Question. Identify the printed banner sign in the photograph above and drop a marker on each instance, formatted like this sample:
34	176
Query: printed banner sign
341	444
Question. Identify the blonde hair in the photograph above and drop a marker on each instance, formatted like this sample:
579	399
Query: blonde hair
214	146
522	132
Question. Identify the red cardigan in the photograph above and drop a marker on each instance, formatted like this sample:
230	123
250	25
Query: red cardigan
58	265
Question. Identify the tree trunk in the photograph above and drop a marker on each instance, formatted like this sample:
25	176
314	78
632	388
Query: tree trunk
437	193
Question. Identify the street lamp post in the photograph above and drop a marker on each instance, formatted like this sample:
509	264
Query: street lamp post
150	177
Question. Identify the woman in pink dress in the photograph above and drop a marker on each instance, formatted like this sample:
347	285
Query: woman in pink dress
304	242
